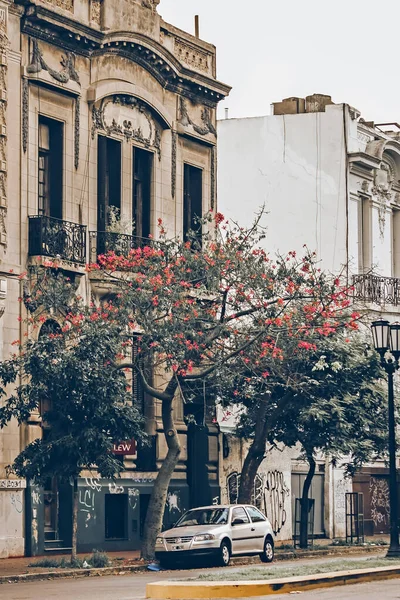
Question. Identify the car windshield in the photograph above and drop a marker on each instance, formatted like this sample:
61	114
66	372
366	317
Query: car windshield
204	516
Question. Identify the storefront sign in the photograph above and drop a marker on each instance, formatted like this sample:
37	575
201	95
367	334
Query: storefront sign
125	448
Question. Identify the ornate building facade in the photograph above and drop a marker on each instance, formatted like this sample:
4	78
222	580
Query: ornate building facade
104	108
329	179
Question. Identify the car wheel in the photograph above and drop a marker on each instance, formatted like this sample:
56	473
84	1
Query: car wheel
267	555
224	554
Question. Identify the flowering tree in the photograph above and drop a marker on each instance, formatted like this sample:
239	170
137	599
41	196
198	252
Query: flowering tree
196	308
69	375
325	395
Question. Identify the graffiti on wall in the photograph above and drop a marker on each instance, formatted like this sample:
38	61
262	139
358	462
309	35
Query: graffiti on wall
87	505
269	495
341	487
275	493
133	497
380	502
16	502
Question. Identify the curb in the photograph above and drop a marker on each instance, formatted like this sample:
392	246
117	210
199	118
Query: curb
65	573
172	590
92	572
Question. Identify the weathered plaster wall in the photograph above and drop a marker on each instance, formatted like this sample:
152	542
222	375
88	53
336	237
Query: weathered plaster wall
296	166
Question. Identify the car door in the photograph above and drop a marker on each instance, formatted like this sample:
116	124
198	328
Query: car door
259	527
241	531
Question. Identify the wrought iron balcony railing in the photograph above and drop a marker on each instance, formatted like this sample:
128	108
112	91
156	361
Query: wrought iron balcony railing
101	242
377	290
57	239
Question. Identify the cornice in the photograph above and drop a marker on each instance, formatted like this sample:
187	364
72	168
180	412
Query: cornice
66	33
364	160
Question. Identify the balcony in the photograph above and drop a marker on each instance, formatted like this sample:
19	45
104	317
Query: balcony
101	242
377	290
57	239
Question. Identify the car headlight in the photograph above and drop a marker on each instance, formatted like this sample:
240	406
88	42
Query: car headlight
160	540
204	537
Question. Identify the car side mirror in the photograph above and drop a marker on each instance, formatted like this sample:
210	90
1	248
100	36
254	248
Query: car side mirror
237	521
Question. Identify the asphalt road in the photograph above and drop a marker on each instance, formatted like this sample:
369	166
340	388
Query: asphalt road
132	587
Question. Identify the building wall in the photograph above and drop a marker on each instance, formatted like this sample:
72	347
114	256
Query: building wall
330	180
299	158
116	70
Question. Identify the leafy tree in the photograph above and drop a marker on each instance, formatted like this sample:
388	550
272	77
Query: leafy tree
197	306
325	396
69	374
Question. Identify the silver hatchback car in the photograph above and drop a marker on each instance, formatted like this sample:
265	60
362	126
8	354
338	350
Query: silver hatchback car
219	532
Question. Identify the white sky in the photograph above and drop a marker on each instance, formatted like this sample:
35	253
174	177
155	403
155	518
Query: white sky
268	50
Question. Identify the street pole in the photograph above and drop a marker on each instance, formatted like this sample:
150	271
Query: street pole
394	548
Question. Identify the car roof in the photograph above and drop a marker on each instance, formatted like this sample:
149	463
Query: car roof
221	506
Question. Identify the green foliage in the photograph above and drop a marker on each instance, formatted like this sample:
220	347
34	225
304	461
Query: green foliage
50	563
328	396
70	375
99	559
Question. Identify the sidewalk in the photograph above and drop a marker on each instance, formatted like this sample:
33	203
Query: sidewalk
130	560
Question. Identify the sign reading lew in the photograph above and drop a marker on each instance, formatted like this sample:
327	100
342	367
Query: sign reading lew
125	448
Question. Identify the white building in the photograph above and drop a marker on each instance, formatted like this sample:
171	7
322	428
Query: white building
330	180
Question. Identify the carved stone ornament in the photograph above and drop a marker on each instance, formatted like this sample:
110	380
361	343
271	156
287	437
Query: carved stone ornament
191	55
212	176
3	126
173	163
129	117
25	114
150	4
64	4
381	191
67	62
207	125
95	12
77	130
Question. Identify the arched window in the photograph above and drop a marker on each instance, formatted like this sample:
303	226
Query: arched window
49	327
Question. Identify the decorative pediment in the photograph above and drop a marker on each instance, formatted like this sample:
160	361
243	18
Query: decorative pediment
128	117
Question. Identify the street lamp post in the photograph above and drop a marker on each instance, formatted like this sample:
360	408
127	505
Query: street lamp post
386	338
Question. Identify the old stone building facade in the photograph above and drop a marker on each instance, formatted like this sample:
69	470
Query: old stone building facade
331	180
103	107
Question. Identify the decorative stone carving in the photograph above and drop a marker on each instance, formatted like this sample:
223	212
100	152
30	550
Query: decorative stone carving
25	114
191	55
173	163
365	186
3	126
381	191
67	62
77	130
111	117
95	12
150	4
64	4
205	128
212	177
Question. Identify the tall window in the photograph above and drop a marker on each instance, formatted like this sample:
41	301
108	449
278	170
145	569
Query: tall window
108	179
192	199
50	168
142	175
365	235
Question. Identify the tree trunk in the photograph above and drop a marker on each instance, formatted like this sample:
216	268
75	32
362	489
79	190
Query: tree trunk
304	502
155	511
254	456
74	521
